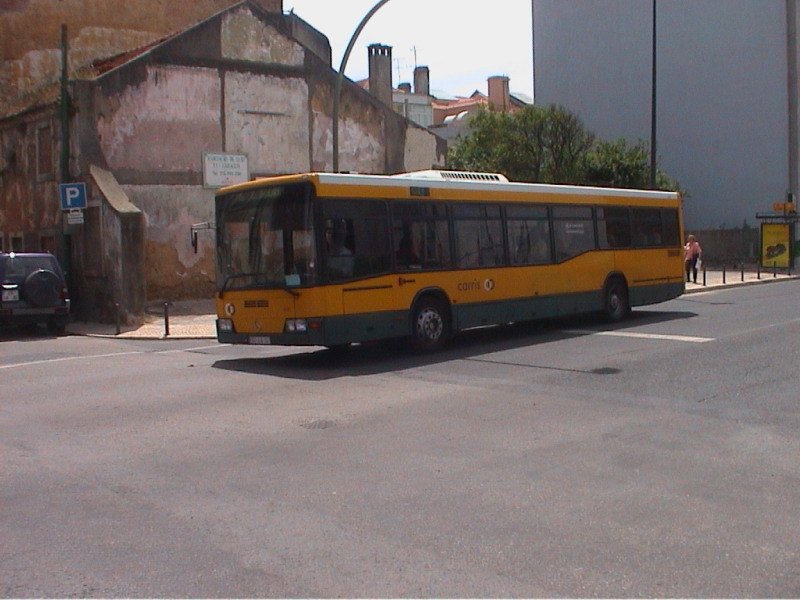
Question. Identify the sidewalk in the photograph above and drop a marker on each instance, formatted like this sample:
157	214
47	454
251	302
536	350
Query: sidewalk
195	319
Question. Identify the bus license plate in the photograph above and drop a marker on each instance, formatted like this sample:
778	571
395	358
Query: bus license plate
259	339
10	295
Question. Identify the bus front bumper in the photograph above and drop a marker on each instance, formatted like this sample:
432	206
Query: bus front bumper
227	335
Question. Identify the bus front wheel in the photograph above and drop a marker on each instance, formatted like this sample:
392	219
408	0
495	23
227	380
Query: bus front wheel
430	324
616	306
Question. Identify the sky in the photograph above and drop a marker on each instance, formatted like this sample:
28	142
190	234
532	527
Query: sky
460	44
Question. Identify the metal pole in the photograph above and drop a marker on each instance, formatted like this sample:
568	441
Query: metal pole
723	274
64	107
653	109
166	319
116	311
340	76
791	79
742	270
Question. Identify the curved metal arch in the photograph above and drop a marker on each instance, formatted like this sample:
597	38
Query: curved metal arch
340	76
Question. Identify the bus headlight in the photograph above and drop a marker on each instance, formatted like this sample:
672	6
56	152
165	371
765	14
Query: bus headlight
225	325
296	325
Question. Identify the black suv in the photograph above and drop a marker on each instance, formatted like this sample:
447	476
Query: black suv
33	291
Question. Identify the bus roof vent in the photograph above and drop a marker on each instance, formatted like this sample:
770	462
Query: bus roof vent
454	176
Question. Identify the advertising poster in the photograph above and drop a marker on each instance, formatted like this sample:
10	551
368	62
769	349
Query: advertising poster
775	245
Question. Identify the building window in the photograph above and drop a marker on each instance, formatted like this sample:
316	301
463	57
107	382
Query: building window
44	152
47	243
15	243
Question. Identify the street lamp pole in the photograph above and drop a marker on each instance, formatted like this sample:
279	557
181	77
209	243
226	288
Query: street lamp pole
340	76
653	110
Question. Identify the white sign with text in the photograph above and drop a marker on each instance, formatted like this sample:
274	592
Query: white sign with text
220	170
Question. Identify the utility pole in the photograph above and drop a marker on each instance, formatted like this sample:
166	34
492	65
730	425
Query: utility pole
64	176
791	76
64	108
653	110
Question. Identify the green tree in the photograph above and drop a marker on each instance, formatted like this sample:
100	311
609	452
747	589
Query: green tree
535	144
623	165
550	145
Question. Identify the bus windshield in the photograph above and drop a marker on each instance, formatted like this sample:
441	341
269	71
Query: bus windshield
266	238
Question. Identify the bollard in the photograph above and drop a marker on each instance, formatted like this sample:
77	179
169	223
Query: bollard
116	311
704	276
166	319
742	270
723	275
774	269
758	270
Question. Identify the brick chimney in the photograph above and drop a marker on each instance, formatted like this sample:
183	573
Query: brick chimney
422	81
380	72
499	97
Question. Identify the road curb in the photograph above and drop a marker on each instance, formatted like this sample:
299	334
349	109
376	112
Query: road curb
725	286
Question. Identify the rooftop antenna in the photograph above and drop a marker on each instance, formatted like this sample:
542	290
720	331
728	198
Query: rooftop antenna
397	66
414	50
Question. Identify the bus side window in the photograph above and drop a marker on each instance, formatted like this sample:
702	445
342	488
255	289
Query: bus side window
406	253
340	246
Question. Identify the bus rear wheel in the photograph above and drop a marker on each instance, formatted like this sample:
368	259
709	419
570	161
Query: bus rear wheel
616	306
430	324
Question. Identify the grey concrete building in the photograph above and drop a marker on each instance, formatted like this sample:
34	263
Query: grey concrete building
726	91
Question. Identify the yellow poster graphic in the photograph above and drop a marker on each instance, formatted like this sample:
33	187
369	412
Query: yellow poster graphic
775	245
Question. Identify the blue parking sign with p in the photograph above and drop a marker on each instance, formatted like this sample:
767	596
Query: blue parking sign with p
73	195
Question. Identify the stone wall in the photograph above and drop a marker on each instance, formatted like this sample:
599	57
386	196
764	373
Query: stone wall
30	33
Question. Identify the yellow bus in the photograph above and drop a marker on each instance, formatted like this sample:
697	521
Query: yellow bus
332	259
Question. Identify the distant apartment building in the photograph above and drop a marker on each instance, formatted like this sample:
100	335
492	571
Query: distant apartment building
414	104
451	115
446	116
726	91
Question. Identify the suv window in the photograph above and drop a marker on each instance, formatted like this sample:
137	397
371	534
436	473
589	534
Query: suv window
16	268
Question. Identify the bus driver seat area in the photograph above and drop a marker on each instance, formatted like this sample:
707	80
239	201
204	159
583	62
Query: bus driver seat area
340	255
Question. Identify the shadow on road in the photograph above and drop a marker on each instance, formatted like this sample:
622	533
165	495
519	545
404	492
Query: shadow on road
395	355
27	333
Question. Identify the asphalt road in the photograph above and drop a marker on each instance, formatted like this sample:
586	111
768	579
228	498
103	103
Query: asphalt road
660	457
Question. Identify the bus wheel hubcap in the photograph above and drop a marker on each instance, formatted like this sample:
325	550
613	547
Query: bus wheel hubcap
429	324
615	302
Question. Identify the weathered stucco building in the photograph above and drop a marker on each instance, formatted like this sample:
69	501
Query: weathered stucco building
245	81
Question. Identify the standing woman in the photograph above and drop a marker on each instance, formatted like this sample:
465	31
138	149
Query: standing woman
691	254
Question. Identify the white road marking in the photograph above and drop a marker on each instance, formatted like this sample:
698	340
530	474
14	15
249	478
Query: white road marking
66	358
647	336
191	349
109	355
